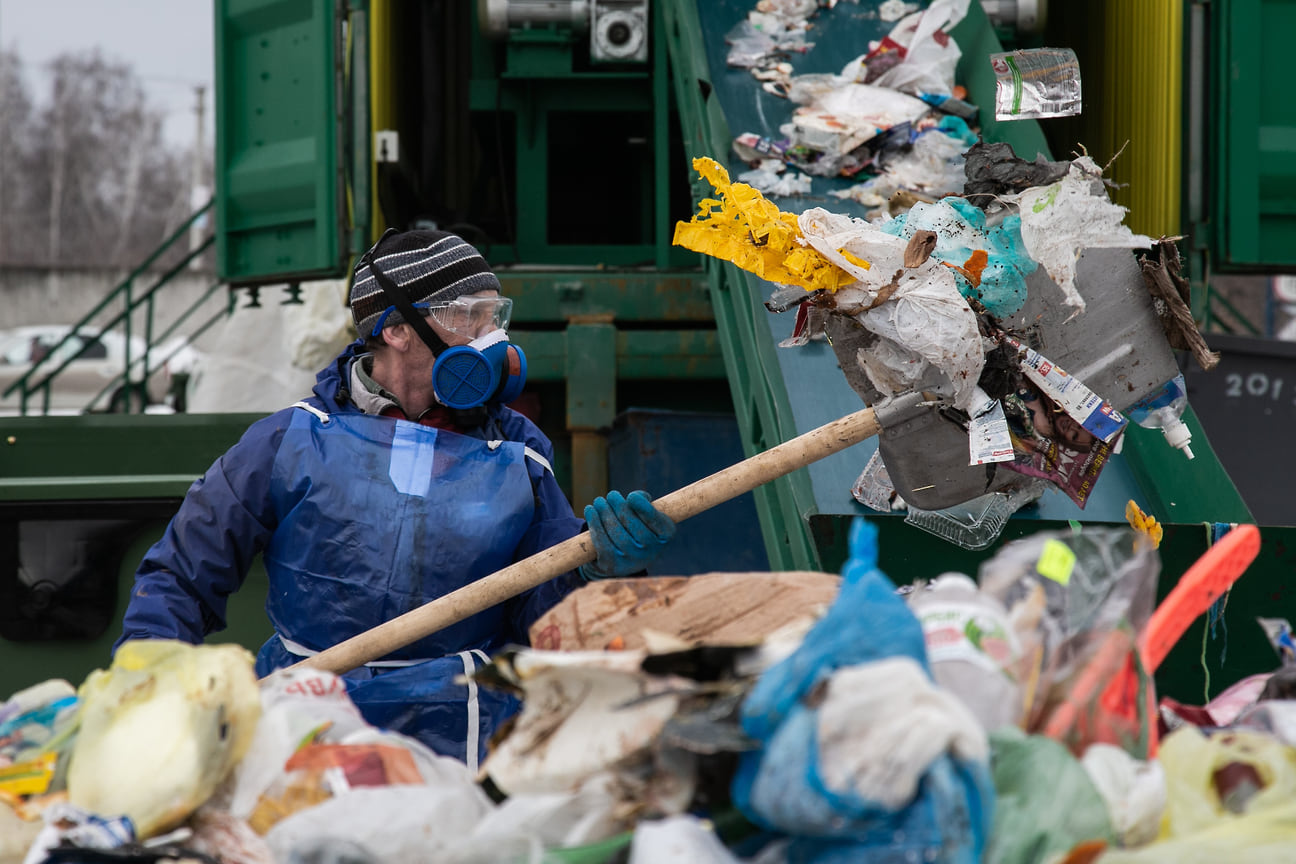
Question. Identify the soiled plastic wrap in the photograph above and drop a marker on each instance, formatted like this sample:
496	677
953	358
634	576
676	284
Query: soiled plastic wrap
996	280
1036	82
934	339
1231	796
1061	220
933	167
161	729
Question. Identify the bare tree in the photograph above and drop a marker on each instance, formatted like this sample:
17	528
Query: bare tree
98	178
18	226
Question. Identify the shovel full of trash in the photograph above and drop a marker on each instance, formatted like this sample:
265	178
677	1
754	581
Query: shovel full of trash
996	337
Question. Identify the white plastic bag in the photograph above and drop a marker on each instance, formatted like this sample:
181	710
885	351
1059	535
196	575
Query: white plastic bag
1062	220
929	62
882	724
935	338
294	703
678	838
558	820
843	115
393	823
1133	790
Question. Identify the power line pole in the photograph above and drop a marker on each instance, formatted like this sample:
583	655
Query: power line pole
198	192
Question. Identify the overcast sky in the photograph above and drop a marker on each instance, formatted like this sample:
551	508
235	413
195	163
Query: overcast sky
168	43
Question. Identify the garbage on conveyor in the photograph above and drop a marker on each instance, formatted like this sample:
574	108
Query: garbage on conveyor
870	114
959	281
1010	719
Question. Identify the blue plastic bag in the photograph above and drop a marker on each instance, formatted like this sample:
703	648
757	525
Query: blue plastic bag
920	789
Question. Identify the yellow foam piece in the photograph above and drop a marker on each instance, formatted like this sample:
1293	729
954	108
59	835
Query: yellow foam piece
1144	523
742	227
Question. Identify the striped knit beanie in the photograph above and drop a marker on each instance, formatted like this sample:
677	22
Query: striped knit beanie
429	265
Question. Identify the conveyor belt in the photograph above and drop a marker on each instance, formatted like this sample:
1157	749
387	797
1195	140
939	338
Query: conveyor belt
781	393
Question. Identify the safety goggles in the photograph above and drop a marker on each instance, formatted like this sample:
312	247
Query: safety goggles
470	316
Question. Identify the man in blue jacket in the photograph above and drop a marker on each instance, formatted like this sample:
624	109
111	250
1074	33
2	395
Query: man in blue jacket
402	478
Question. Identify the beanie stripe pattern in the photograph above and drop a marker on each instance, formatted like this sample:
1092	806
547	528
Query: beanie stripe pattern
431	266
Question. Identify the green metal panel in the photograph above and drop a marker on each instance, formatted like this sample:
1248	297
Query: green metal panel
94	457
23	664
641	355
1254	163
626	295
591	375
278	121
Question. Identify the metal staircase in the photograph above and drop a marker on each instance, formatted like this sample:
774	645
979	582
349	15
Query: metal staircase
128	386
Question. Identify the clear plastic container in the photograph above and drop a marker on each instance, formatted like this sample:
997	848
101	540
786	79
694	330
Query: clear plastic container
1162	409
977	523
873	488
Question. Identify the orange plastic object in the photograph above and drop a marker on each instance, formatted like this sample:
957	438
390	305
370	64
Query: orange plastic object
1204	582
1113	699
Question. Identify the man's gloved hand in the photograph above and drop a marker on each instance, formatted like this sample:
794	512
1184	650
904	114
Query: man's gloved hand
628	534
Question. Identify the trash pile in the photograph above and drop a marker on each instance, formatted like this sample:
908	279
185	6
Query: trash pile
977	305
1009	719
894	112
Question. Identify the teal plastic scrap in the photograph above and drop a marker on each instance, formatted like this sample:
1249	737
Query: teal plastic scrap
961	230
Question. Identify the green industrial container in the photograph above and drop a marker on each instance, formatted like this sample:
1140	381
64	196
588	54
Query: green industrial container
1250	125
281	210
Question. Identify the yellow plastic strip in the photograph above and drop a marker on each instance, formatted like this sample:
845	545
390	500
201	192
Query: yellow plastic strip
32	777
742	227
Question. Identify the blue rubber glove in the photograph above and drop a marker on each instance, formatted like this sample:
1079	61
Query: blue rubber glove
628	534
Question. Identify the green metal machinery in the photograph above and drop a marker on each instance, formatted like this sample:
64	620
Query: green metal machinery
557	138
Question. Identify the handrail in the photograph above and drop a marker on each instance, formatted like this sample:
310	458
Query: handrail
1209	317
123	315
27	386
222	312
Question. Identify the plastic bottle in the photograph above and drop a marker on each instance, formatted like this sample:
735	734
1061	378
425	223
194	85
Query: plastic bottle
1162	409
971	648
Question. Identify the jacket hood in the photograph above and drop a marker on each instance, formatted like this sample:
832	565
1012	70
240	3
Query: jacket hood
333	383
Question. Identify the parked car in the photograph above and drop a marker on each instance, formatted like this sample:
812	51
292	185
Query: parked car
99	358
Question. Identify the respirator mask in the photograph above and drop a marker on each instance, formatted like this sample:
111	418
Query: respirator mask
487	369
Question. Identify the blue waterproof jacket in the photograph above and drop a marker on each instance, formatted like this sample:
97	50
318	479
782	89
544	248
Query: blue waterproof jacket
358	519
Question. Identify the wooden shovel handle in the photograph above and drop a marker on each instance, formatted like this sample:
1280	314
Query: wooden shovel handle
558	559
